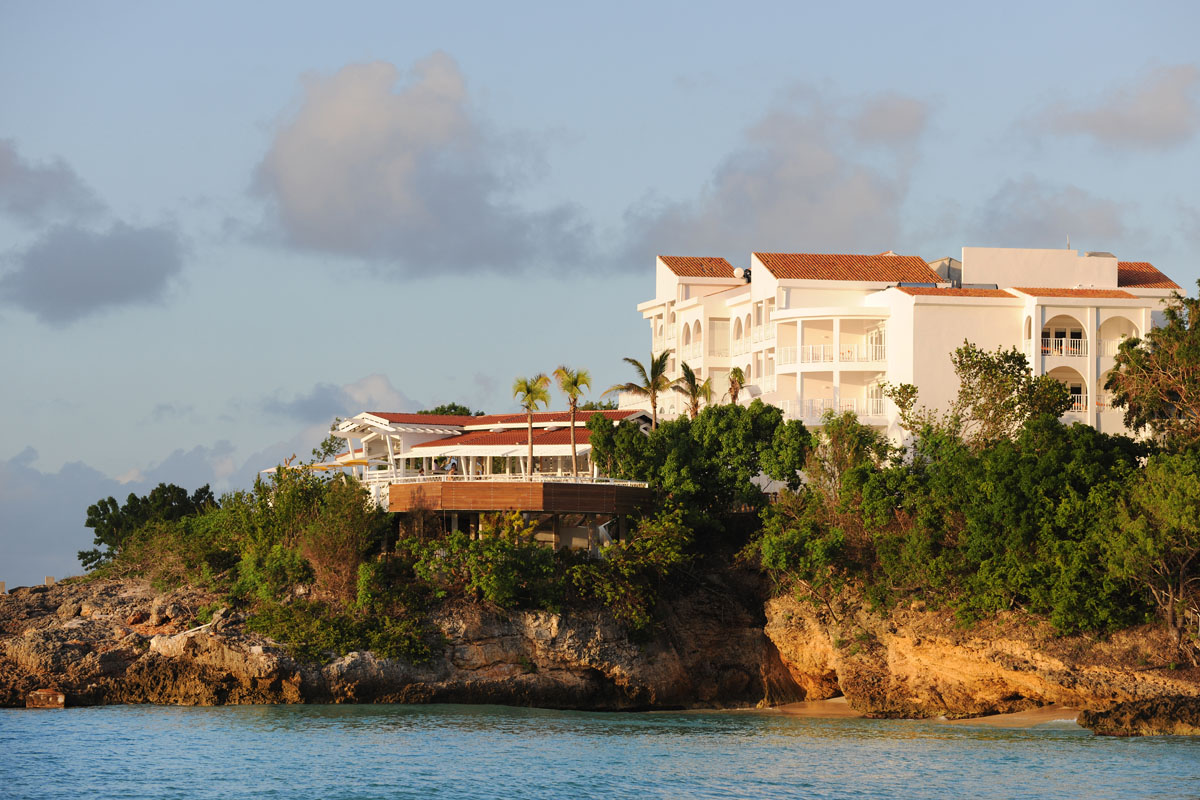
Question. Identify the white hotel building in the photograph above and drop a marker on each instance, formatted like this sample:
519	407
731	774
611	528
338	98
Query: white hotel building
813	332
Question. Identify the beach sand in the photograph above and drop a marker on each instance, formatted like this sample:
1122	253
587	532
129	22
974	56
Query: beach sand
839	708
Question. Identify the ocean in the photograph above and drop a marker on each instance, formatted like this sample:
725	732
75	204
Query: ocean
466	752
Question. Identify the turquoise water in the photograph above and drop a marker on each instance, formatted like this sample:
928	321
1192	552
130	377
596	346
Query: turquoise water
466	752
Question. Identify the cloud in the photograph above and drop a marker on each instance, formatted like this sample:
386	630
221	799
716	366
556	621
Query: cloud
1161	109
71	273
1029	213
42	516
39	193
409	177
325	400
812	174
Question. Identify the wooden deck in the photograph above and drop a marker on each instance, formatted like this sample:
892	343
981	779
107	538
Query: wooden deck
544	496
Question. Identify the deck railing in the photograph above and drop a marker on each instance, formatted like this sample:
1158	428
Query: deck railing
816	353
787	355
1072	348
384	477
863	352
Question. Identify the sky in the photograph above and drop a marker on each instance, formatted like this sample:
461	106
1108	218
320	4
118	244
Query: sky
224	224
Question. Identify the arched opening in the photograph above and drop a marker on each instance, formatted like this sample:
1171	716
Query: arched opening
1063	335
687	335
1076	386
1112	331
1028	328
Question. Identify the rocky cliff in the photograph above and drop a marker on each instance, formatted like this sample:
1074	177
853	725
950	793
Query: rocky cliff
120	642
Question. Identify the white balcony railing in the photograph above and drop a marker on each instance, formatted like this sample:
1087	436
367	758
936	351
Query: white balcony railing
384	477
816	353
767	383
1104	402
1078	404
1072	348
787	355
862	352
1109	347
814	407
741	346
691	351
791	409
718	348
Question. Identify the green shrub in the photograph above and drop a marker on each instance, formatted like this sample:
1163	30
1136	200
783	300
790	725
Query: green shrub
316	631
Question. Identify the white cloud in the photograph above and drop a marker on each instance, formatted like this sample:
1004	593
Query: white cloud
408	176
1030	213
325	400
812	174
1160	109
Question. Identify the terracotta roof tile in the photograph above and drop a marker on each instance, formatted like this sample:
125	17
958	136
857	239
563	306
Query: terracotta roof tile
547	417
694	267
833	267
424	419
1099	294
513	436
1142	275
934	291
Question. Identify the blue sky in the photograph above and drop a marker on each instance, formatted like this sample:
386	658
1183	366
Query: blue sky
223	224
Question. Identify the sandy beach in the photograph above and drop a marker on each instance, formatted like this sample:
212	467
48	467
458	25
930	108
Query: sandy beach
839	708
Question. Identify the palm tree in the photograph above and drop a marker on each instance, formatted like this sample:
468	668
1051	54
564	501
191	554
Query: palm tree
530	393
737	381
573	382
653	382
690	387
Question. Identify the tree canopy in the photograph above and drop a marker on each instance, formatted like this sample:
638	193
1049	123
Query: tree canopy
1156	378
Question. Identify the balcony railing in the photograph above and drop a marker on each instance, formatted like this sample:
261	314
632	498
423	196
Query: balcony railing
767	383
1104	402
862	352
816	353
1072	348
1109	347
791	409
1079	404
718	348
814	407
787	355
383	476
692	350
761	333
741	346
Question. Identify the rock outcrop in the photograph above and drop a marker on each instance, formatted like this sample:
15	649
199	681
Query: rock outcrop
135	647
715	645
922	664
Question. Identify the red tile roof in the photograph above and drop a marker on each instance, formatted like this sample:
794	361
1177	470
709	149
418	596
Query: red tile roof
547	417
693	267
936	292
1110	294
513	436
424	419
1142	275
832	267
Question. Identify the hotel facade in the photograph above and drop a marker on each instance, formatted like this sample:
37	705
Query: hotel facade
818	332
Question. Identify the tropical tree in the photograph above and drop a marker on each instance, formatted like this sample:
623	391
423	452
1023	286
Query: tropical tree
1156	537
997	395
572	382
737	382
531	393
653	382
693	389
1156	379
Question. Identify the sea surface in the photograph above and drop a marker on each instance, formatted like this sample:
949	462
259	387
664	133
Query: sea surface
466	752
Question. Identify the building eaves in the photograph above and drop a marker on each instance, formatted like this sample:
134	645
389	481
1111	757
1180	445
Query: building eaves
932	291
1097	294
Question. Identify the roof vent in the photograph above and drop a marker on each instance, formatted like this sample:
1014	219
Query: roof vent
743	273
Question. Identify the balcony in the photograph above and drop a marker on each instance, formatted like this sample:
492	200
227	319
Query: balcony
767	383
741	347
1071	348
862	352
1079	404
690	351
816	353
1109	347
787	356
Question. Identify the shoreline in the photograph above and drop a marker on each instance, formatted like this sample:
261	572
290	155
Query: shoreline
839	708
